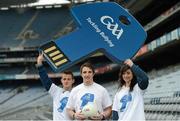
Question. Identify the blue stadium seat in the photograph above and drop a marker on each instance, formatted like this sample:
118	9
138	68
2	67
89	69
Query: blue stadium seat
31	27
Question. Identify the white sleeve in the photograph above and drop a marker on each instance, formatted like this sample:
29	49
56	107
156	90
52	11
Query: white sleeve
106	99
54	90
71	101
138	89
115	103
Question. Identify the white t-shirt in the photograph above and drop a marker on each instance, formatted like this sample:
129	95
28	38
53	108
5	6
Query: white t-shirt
129	105
60	99
82	95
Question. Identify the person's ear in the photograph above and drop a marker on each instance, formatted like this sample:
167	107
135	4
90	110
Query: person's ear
93	73
73	81
61	80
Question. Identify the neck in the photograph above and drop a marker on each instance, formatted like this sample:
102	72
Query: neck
67	88
127	84
88	83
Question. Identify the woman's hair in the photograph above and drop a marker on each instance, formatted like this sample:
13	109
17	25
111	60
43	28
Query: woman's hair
123	69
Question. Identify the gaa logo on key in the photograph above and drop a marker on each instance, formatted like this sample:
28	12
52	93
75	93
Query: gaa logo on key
109	22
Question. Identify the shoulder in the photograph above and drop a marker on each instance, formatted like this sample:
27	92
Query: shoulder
54	90
54	87
77	88
99	87
136	88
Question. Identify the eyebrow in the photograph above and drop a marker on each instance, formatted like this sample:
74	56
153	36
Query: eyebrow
87	71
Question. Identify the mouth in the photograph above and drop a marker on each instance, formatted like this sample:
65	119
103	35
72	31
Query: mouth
66	84
127	79
87	77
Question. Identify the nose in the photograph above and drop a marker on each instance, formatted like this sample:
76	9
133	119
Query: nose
125	75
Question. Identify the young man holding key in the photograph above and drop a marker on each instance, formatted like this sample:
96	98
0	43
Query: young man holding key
60	95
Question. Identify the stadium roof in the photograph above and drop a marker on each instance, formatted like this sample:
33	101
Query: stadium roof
6	3
49	2
35	3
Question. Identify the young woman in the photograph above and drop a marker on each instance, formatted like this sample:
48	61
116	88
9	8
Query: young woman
128	102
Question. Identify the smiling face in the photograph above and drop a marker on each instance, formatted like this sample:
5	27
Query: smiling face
127	76
67	81
87	75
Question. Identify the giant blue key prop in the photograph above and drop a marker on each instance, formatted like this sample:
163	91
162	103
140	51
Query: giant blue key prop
105	27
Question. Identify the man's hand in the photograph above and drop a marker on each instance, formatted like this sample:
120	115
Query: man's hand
98	117
79	116
40	59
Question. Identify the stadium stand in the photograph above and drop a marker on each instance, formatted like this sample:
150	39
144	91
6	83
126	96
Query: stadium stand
25	100
162	98
6	3
28	29
25	29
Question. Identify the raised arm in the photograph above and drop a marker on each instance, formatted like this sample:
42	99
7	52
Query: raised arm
142	78
46	81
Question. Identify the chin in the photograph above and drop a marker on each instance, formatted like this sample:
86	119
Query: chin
127	81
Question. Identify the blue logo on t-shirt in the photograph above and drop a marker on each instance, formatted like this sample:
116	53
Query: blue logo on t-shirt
124	100
88	97
63	103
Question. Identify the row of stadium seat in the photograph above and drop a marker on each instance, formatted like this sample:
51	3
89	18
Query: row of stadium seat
163	117
31	27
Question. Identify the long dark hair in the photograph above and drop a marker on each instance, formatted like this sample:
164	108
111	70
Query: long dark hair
123	69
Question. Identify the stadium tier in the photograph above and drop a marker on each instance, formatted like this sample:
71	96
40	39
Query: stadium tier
31	27
6	3
24	29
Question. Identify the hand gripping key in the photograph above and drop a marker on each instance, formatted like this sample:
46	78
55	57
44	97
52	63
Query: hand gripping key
105	27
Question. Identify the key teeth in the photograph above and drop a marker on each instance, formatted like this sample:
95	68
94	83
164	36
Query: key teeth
55	56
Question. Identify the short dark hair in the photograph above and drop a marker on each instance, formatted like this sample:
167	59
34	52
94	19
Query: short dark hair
69	73
89	65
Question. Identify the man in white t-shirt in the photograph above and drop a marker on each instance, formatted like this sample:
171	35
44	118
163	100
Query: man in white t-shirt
89	92
60	95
